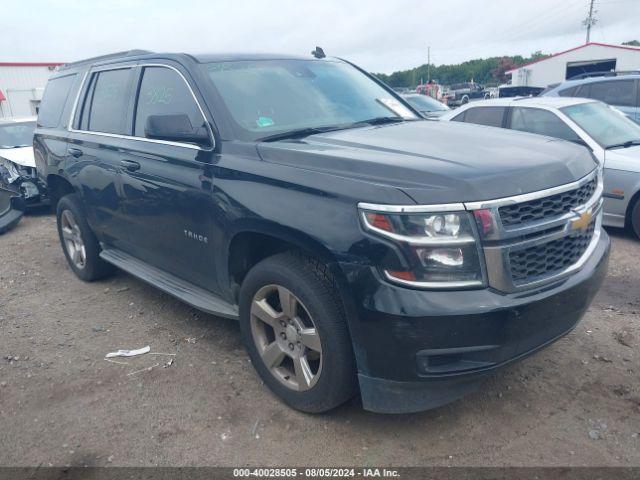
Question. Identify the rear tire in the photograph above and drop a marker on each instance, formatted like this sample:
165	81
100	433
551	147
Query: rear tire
79	244
294	328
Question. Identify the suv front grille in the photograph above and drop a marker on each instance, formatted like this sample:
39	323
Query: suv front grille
548	207
549	258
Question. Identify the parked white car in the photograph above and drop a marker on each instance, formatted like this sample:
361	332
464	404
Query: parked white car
607	132
17	163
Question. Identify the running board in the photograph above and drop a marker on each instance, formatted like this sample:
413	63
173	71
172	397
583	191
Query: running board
195	296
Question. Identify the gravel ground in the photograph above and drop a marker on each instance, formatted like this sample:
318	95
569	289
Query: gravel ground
61	403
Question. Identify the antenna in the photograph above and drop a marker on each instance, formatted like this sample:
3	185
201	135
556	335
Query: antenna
590	20
318	53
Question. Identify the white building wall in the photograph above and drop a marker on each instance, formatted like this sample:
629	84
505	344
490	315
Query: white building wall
554	69
23	87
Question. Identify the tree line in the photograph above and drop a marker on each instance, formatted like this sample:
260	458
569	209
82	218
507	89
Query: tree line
488	71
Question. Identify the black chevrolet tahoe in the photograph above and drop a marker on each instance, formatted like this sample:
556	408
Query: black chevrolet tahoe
362	249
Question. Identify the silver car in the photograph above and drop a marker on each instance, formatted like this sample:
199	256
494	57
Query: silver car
612	137
17	162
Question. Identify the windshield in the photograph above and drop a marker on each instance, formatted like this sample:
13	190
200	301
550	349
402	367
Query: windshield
268	97
14	135
605	125
425	103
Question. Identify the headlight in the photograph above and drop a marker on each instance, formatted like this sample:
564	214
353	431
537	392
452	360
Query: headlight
440	247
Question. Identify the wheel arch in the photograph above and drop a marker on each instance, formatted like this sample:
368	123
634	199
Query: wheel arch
249	244
57	187
635	198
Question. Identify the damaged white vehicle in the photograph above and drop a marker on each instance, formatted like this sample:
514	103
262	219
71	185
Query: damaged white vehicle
17	163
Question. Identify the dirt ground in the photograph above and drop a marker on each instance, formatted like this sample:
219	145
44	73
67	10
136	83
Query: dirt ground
61	403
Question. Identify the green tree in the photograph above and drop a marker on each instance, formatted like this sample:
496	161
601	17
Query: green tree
632	43
486	71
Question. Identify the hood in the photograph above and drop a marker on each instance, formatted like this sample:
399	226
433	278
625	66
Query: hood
22	156
627	159
439	162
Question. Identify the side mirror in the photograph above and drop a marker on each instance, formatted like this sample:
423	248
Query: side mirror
176	128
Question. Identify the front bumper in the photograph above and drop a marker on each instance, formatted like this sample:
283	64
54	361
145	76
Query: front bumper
418	350
11	209
32	189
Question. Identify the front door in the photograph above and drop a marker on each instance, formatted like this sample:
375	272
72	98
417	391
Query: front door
166	184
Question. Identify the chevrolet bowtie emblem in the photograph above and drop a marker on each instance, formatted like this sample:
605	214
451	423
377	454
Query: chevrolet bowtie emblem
583	222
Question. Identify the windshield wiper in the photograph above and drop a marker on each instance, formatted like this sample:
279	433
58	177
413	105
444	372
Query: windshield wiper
305	132
627	144
378	121
299	133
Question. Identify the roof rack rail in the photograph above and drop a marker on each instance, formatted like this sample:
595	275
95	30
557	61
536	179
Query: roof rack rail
126	53
609	73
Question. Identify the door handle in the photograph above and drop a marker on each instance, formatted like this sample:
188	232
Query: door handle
130	165
75	152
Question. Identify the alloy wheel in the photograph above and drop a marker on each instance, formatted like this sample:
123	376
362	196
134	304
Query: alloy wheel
72	239
286	338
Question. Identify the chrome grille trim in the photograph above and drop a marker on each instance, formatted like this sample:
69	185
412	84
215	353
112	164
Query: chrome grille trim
501	242
499	232
546	207
498	264
526	197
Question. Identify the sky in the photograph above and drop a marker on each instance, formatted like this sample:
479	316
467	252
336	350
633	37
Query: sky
380	36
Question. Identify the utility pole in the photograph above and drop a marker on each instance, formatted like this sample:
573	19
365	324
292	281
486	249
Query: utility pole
590	20
428	64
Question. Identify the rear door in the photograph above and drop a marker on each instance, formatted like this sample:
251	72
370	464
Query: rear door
488	116
167	184
50	138
102	118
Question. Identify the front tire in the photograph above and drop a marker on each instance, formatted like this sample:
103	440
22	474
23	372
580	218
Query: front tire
79	244
635	218
294	328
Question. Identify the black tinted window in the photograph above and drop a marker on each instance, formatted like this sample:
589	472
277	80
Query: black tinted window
542	122
489	116
108	99
615	92
163	92
53	101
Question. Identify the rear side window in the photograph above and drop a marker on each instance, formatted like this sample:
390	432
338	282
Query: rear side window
568	92
106	102
489	116
53	101
542	122
616	92
163	92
